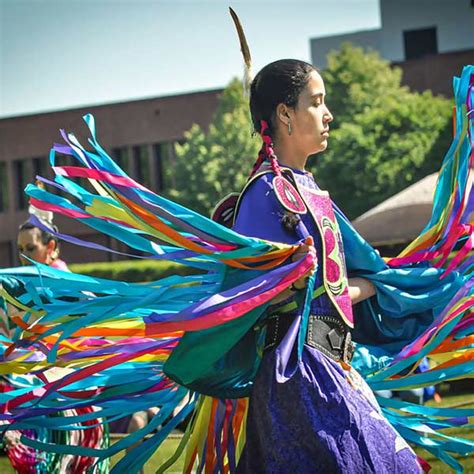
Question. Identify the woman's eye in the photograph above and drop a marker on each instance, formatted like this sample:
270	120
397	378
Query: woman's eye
31	248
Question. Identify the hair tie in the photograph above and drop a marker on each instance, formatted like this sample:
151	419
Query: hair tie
268	147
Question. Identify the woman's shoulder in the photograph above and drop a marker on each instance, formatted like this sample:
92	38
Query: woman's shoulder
257	210
258	189
260	181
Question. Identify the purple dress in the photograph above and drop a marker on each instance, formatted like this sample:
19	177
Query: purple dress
322	418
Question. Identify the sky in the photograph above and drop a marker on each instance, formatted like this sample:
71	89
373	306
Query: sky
61	54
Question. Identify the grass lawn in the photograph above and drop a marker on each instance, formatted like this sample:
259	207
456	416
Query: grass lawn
168	448
467	462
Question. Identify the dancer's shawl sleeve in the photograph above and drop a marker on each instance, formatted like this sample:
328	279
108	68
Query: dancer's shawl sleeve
114	337
408	298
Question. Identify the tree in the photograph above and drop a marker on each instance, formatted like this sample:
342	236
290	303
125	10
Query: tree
385	138
357	81
210	165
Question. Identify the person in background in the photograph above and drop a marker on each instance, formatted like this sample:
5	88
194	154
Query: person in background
415	395
37	245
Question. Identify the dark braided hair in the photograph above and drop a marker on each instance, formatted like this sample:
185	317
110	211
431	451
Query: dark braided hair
280	82
266	151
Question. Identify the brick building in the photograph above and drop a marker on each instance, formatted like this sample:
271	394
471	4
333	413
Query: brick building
139	134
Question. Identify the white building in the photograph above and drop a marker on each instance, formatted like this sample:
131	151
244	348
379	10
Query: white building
411	30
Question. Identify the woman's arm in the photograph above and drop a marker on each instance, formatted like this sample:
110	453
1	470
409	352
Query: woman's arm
360	289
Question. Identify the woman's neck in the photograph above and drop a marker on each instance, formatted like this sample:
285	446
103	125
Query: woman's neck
288	156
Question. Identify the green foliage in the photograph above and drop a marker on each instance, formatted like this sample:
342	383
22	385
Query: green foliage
132	270
357	81
384	137
213	164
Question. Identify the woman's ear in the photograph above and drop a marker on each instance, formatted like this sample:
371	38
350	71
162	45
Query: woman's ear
283	114
52	248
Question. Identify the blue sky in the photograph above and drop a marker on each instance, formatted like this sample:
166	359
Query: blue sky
59	54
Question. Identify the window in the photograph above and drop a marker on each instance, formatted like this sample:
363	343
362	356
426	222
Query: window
40	167
419	43
158	155
8	253
122	158
64	160
3	187
164	156
141	165
21	180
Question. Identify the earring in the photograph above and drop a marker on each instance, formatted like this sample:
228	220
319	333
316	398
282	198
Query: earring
289	127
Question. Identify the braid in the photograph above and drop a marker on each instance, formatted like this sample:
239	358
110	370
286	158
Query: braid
259	161
266	151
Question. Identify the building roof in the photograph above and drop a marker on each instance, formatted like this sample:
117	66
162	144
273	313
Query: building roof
400	218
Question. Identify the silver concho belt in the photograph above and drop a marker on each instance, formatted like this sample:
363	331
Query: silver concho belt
326	333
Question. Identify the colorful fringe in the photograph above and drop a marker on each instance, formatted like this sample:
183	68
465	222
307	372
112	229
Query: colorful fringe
28	460
113	339
452	218
216	435
449	341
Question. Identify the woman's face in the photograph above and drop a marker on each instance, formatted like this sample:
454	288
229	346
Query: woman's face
310	118
29	244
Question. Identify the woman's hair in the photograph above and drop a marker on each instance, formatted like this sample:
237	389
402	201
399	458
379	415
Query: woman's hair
45	236
280	82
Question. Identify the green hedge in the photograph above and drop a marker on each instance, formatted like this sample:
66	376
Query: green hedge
132	270
139	270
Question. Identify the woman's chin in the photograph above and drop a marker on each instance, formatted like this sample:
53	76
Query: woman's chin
322	146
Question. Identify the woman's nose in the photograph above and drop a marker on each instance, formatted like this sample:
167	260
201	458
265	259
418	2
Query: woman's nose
328	116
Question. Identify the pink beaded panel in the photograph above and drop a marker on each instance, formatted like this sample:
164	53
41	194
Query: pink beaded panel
334	268
287	195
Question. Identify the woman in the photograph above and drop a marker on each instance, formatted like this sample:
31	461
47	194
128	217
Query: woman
317	420
37	245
